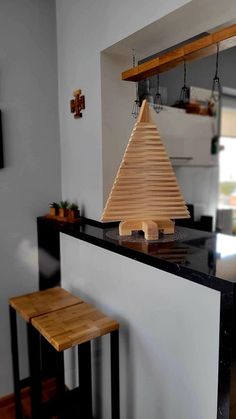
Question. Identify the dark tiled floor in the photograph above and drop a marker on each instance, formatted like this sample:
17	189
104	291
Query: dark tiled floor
7	410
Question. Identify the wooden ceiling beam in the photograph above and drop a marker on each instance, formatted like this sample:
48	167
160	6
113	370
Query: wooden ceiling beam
203	47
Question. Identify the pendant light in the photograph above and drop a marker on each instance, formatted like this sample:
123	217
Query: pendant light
214	104
216	85
135	109
147	95
158	99
184	93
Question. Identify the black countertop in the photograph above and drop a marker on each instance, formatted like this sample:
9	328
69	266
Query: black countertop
201	257
197	256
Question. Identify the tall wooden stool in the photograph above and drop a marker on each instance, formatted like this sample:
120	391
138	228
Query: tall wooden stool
77	326
30	306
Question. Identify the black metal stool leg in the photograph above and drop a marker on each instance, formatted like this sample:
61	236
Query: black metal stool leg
115	381
34	367
85	375
15	363
60	384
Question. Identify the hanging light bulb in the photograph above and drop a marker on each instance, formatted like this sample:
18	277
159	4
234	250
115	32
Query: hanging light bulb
147	95
135	109
158	99
184	94
213	105
216	85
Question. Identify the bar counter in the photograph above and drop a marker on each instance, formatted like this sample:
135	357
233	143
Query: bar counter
203	258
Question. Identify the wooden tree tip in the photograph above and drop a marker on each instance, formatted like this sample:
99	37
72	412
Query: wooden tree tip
144	114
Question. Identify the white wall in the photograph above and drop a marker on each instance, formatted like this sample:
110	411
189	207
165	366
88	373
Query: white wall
191	135
169	334
85	28
31	178
117	122
162	369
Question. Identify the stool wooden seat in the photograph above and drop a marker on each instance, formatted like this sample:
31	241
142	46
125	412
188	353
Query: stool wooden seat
29	306
42	302
74	325
77	326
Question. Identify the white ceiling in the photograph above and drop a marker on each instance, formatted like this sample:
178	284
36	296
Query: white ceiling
195	17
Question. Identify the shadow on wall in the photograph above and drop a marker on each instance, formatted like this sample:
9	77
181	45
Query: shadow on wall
101	369
28	254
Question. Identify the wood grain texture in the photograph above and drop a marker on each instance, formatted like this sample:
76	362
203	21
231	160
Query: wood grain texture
42	302
145	186
203	47
74	325
149	228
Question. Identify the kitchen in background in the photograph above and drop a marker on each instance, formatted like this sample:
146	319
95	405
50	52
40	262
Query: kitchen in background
194	141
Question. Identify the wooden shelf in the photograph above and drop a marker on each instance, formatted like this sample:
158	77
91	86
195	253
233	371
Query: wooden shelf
203	47
63	219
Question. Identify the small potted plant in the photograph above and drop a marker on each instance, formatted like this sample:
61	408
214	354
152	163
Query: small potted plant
63	209
73	211
53	209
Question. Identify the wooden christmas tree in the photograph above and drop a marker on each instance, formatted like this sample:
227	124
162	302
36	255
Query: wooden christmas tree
145	195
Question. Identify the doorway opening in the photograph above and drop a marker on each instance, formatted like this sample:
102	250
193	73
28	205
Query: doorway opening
227	167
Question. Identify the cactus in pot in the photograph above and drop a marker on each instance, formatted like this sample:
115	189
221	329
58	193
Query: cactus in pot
73	211
53	208
63	209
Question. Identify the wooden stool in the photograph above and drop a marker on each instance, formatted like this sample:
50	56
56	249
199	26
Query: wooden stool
77	326
29	306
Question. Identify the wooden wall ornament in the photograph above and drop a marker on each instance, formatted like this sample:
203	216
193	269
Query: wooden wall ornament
77	104
145	195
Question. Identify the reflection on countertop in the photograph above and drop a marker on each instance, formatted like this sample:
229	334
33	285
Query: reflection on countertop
205	258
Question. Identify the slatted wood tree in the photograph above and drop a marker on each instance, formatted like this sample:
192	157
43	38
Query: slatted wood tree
145	195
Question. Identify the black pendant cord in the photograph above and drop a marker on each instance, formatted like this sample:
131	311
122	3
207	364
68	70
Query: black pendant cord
184	94
135	109
136	88
136	83
185	74
134	58
216	85
158	99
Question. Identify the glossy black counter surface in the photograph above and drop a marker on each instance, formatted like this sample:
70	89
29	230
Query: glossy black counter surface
205	258
200	257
